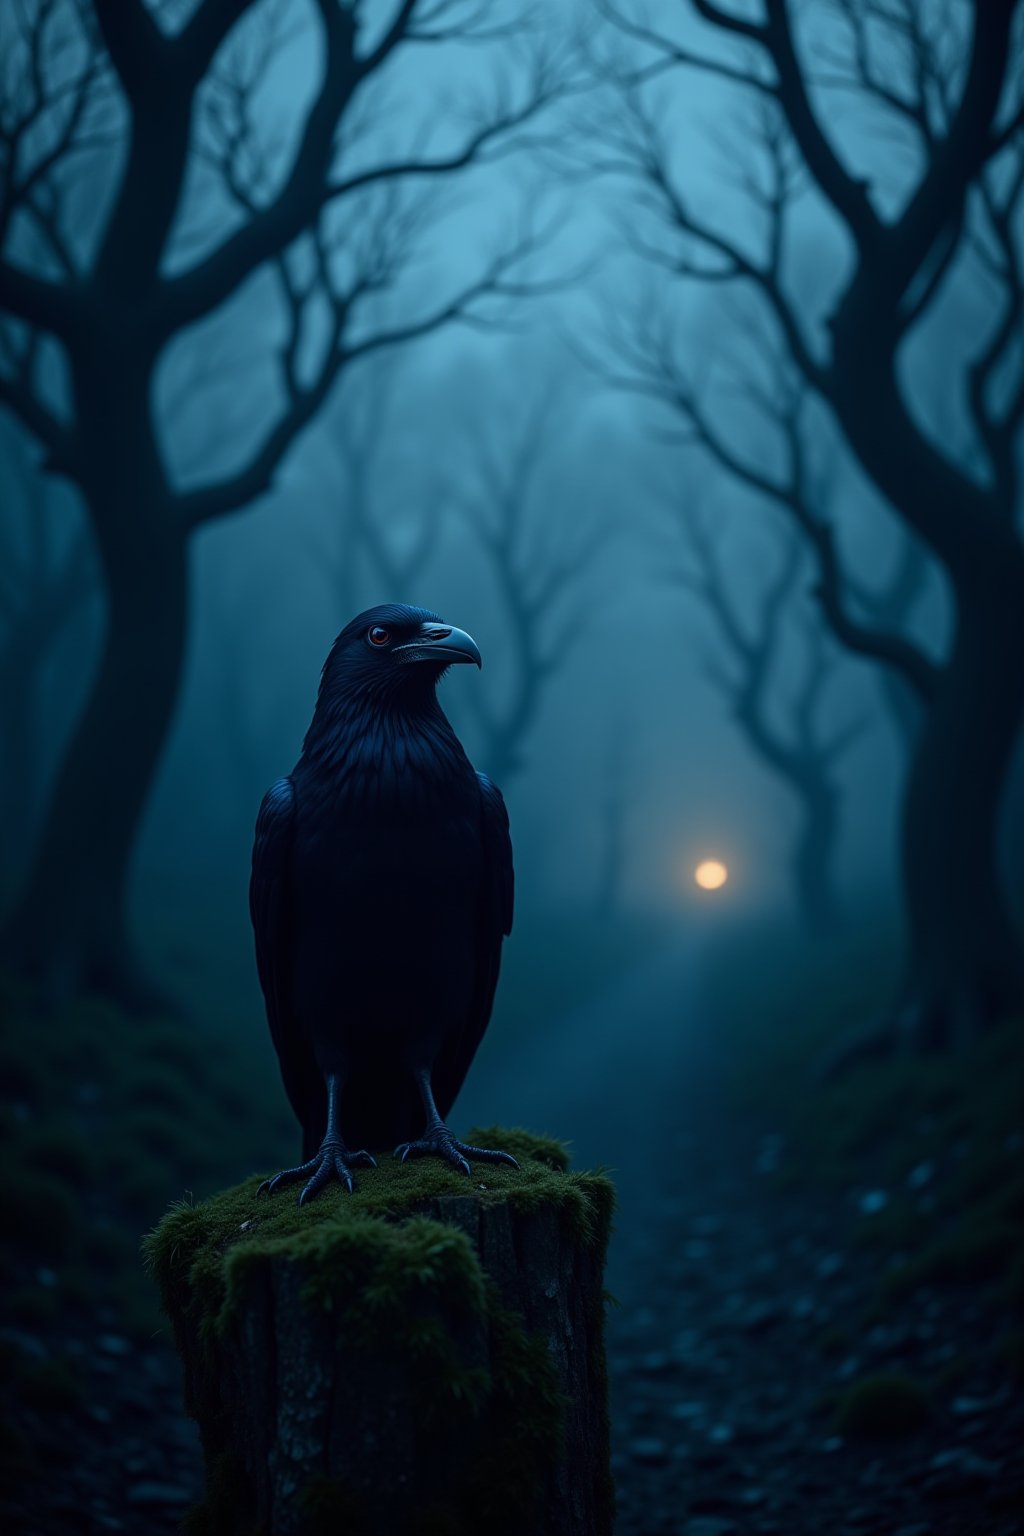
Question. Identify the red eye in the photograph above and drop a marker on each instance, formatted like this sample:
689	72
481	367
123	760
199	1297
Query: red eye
378	635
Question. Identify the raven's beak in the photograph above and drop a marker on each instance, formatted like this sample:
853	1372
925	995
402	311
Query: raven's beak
440	643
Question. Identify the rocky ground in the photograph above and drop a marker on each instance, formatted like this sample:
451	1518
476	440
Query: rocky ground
120	1455
735	1360
736	1336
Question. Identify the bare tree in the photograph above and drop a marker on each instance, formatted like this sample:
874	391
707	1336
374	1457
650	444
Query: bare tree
146	107
47	581
645	361
787	729
536	557
889	607
944	81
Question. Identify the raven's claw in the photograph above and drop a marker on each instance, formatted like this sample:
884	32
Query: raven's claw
333	1159
440	1142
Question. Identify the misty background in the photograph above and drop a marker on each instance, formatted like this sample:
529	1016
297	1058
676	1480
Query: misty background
572	331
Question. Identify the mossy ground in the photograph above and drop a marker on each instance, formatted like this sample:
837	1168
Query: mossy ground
392	1279
884	1406
939	1138
103	1120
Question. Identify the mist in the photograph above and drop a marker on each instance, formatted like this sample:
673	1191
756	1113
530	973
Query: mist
673	353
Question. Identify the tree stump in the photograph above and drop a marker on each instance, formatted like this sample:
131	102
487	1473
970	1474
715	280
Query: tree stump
424	1357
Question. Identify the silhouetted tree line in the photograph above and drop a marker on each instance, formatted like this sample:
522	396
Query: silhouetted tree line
943	83
142	100
110	112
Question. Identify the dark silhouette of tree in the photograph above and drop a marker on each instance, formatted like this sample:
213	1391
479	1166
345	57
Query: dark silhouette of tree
889	606
47	582
799	752
786	726
940	214
537	555
802	756
115	117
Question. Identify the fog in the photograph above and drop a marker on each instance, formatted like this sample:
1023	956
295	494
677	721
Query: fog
573	333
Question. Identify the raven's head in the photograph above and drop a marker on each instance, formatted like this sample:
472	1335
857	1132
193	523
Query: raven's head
394	651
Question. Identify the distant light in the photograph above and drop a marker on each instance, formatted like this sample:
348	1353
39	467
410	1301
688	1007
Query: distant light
711	874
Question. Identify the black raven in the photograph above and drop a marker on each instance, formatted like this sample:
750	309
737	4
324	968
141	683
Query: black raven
381	890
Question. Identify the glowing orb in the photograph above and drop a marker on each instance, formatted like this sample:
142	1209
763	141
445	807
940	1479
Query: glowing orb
711	874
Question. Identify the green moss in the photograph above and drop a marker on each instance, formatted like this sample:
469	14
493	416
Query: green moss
526	1412
882	1406
976	1252
392	1279
237	1221
522	1145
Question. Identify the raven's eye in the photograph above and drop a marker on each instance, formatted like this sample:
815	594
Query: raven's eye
378	635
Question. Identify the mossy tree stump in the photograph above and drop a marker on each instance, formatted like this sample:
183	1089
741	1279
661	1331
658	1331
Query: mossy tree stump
424	1357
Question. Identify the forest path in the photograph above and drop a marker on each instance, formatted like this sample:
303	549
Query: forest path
744	1307
602	1077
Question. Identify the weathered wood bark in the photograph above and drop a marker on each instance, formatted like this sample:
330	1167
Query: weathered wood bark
442	1372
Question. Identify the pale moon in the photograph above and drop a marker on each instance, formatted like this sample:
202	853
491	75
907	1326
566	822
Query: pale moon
711	875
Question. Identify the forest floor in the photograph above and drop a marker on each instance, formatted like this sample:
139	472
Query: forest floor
759	1385
818	1322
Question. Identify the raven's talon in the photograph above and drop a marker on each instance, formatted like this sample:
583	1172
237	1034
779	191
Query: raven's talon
441	1143
333	1160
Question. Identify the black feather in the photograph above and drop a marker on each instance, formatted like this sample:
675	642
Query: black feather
382	889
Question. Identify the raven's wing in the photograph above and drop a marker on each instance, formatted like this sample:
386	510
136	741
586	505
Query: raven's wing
270	910
495	923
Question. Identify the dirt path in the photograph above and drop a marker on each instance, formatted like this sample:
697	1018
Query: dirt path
742	1307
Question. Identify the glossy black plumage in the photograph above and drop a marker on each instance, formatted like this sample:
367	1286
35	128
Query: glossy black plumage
381	891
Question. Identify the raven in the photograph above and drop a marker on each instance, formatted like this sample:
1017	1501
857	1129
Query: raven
381	891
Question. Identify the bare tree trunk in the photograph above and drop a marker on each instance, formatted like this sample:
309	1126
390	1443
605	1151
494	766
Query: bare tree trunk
27	747
966	964
70	929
